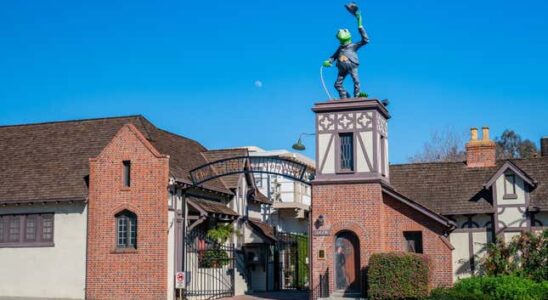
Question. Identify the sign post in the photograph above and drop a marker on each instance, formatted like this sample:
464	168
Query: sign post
180	282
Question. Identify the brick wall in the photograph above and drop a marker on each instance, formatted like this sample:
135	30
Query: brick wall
378	221
356	207
400	218
140	273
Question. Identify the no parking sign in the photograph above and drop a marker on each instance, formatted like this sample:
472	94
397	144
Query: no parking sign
180	280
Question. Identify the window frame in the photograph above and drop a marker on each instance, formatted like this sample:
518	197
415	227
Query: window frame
417	239
131	230
22	220
339	152
512	195
126	174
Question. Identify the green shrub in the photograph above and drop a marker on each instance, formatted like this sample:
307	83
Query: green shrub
398	275
506	287
525	255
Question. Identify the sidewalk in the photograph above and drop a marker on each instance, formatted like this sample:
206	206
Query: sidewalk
281	295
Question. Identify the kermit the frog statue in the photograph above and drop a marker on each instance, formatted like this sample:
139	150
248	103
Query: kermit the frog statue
346	56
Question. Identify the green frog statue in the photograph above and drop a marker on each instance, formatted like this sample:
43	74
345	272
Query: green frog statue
346	56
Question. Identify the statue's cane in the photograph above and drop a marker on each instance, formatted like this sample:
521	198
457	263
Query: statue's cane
323	84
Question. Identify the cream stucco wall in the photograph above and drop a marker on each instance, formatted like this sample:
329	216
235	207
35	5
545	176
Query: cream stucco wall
461	257
171	255
323	150
512	217
48	272
466	239
520	191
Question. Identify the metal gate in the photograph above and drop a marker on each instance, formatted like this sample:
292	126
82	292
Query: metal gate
293	261
209	268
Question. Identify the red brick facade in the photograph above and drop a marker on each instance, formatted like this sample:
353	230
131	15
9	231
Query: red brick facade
399	218
131	274
378	221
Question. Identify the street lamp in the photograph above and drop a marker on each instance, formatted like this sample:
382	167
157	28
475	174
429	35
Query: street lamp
299	146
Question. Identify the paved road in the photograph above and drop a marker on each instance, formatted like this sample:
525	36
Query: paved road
283	295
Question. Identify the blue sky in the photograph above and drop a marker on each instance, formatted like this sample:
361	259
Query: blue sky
191	68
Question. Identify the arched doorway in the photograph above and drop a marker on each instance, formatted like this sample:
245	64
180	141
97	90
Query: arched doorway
347	262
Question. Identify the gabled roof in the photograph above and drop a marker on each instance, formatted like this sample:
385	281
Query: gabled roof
208	207
256	195
231	181
263	228
418	207
451	188
515	169
50	161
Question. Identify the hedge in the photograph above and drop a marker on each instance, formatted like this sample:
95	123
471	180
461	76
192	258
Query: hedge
398	275
494	288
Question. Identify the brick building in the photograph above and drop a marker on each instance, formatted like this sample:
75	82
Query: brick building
363	205
96	209
106	209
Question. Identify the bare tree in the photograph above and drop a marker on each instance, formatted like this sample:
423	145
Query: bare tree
445	145
511	145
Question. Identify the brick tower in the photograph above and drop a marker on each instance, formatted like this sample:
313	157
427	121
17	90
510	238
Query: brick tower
347	205
355	210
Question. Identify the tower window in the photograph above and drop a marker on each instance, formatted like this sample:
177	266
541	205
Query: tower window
346	151
127	173
126	230
413	241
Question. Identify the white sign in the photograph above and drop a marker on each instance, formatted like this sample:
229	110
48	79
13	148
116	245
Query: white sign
180	280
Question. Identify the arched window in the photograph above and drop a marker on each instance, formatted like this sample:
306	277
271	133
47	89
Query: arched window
126	229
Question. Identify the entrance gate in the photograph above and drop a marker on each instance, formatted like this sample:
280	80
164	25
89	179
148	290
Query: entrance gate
209	267
292	261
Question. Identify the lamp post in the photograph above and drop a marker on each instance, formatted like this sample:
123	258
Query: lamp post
299	146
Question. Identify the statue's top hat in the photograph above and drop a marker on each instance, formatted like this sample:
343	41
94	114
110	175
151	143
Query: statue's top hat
352	7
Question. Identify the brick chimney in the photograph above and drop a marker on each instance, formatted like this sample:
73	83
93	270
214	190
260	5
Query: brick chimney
544	146
480	153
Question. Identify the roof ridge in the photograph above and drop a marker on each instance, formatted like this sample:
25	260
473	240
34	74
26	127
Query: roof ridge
430	163
464	162
73	120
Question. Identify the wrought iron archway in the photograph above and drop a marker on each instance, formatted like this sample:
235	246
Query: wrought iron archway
252	164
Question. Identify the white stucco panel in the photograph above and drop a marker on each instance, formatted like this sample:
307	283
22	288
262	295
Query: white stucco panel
512	217
327	152
48	272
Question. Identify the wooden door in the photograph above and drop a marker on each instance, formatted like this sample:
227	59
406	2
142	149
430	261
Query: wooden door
347	275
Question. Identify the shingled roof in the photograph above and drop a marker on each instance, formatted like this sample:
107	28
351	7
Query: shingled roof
452	188
50	161
231	181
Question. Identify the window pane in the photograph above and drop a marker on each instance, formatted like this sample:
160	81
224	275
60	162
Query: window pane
30	228
122	231
133	233
413	240
347	151
47	227
14	229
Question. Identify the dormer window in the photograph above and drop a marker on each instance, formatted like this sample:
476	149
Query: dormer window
346	144
510	186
